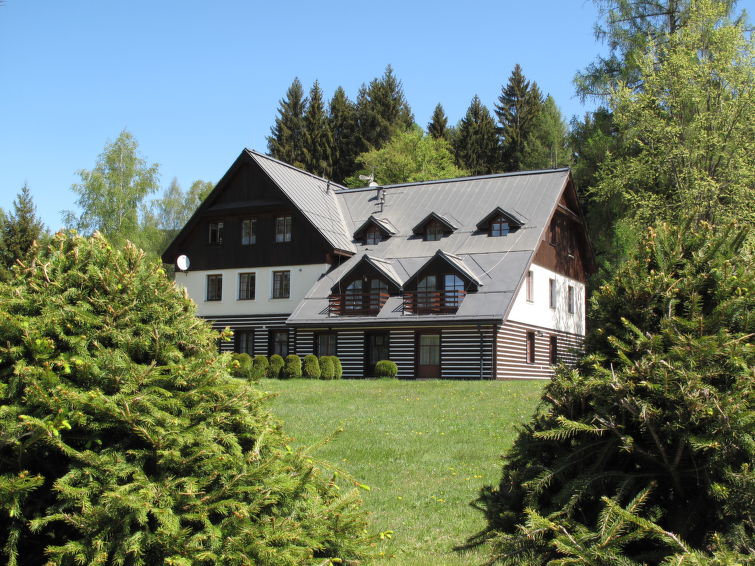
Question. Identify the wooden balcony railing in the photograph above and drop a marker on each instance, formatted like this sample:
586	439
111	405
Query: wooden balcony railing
433	302
356	304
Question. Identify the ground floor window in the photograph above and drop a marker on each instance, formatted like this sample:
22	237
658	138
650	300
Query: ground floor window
554	350
279	342
530	347
377	346
244	342
428	355
326	344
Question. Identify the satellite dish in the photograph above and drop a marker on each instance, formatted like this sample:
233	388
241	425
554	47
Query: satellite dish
182	263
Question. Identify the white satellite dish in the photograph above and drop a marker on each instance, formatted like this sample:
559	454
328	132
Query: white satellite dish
182	263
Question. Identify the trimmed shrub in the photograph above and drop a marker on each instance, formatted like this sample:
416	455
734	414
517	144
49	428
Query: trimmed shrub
124	440
292	369
327	368
261	365
338	367
311	368
275	366
241	366
386	368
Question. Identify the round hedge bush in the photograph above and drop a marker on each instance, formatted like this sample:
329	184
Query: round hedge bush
261	365
276	366
292	369
311	368
327	368
241	366
386	368
123	439
338	367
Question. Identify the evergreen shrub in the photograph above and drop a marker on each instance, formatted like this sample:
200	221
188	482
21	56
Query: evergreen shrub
311	368
241	366
276	366
261	365
124	440
327	367
292	368
338	367
386	368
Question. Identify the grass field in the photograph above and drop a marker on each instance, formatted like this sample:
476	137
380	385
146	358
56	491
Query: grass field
423	447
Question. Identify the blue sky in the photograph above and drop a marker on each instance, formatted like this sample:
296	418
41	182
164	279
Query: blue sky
195	82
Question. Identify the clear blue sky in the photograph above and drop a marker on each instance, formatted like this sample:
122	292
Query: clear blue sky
195	81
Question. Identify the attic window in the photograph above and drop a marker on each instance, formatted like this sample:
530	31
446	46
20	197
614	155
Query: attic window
433	231
499	226
215	236
373	236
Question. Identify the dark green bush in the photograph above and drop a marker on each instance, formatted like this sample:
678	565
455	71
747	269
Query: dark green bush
276	366
327	367
311	367
292	369
261	365
386	368
338	367
241	366
124	440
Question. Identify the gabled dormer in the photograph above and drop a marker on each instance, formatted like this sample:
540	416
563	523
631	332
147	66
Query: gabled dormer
439	286
500	223
374	230
364	289
434	226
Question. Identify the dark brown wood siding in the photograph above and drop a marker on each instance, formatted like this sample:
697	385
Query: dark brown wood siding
261	324
511	351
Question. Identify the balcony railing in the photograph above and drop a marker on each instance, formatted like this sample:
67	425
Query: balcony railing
433	302
356	304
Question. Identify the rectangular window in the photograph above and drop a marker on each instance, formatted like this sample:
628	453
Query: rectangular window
433	231
499	227
325	344
372	237
530	347
552	292
530	292
214	287
248	236
554	350
244	341
281	284
283	229
279	339
571	299
246	286
215	237
429	349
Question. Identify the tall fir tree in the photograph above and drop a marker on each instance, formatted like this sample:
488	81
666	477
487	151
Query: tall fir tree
438	126
382	110
518	106
548	143
342	118
476	140
318	139
286	140
19	231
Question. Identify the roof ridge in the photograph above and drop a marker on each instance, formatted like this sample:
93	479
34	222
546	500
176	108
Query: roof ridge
336	186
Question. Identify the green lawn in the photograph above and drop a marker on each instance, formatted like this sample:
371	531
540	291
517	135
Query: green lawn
423	447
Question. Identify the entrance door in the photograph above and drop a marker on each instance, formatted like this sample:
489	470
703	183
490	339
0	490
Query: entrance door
428	360
377	349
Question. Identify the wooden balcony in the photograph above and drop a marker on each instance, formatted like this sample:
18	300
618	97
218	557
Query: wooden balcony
356	304
433	302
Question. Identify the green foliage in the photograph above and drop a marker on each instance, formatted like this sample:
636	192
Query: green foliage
386	368
261	365
111	194
123	440
547	146
327	368
382	110
275	366
342	119
409	156
688	137
241	366
518	106
292	367
18	232
337	367
476	141
659	413
311	368
286	140
438	126
318	139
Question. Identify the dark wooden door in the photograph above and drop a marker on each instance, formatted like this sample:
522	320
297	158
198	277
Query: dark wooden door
377	349
428	355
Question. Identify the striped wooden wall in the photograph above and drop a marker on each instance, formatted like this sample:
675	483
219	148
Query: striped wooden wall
305	342
350	349
463	357
511	351
254	322
402	351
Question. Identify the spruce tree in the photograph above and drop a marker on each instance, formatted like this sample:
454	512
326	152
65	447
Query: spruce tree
286	140
124	440
517	109
342	118
476	140
438	126
382	110
19	231
547	146
318	139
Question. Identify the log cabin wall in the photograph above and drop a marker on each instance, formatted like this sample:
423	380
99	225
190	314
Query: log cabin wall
511	351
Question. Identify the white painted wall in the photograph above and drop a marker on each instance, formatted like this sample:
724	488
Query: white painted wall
302	279
539	313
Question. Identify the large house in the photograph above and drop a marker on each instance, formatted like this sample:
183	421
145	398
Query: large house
476	277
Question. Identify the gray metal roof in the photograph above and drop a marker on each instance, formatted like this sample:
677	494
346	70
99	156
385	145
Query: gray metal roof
313	195
498	263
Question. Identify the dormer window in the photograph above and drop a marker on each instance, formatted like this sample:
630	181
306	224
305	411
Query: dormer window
500	223
215	237
373	236
374	230
499	227
433	231
433	227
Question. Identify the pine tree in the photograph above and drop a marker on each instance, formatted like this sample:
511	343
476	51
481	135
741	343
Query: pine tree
342	118
547	146
124	440
438	126
382	110
476	140
517	109
286	140
318	139
19	231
